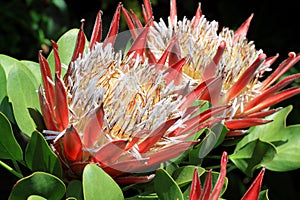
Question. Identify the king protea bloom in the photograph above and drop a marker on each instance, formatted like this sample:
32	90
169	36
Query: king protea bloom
226	54
121	112
206	192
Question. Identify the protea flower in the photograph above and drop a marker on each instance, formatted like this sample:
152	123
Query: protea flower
226	54
208	193
121	112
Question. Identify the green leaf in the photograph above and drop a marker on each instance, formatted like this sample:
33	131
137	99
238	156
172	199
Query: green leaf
22	95
40	157
263	195
9	147
3	90
74	190
34	68
99	185
253	155
165	187
66	45
35	197
184	175
286	140
38	183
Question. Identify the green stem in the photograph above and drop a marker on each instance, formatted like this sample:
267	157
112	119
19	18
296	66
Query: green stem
11	170
16	166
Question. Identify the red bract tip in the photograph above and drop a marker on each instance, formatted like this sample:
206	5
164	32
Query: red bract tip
174	73
80	43
56	59
138	45
198	15
243	29
218	186
173	12
245	77
72	145
94	127
253	191
156	135
113	29
195	187
211	69
97	31
147	11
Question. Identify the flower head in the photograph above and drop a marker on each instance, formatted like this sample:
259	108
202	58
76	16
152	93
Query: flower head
226	54
119	111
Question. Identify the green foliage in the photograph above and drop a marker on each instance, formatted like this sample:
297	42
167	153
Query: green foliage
273	145
38	183
9	148
99	185
39	156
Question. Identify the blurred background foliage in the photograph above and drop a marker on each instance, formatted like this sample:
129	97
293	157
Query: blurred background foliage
27	26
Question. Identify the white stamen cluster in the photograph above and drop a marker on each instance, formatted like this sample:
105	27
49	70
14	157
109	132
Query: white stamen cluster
200	43
134	96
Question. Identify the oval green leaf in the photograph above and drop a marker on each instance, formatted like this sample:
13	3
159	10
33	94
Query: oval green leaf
22	95
99	185
9	147
74	190
165	186
40	157
40	184
184	175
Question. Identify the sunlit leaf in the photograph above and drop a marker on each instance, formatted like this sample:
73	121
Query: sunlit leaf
165	187
40	157
99	185
35	197
253	155
3	90
263	195
21	90
9	147
40	184
286	140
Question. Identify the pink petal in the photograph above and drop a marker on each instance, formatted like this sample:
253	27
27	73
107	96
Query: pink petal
247	75
170	152
281	69
47	80
174	73
242	30
253	191
211	69
138	45
113	29
80	43
173	12
72	145
46	111
218	186
148	11
94	127
56	59
156	135
161	62
198	15
207	187
245	123
196	93
97	31
110	152
130	23
278	97
195	187
61	104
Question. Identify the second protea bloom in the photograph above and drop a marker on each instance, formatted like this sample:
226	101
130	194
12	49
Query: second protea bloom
120	112
226	54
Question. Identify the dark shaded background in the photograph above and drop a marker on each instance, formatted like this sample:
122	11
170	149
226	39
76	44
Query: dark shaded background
28	26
